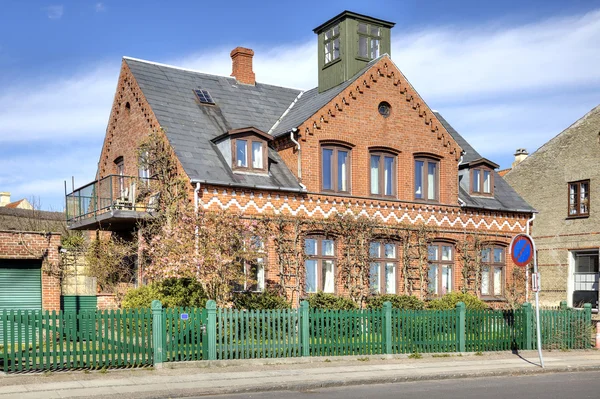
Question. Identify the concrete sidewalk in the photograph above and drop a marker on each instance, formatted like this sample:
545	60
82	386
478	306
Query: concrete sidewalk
201	378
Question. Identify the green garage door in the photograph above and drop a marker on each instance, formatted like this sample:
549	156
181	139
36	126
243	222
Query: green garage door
20	284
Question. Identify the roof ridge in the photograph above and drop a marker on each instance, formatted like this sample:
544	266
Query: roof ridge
200	72
571	126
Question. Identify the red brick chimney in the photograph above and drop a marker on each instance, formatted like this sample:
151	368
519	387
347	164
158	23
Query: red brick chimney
241	59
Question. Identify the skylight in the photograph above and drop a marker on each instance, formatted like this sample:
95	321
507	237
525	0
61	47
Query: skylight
204	96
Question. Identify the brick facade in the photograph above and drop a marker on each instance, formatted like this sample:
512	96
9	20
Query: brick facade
542	180
351	119
33	245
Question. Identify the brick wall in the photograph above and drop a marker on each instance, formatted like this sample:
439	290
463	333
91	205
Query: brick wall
451	222
43	246
542	180
352	118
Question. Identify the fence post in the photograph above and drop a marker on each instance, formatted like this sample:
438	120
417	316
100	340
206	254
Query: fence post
387	327
304	329
528	327
157	332
563	305
211	329
461	327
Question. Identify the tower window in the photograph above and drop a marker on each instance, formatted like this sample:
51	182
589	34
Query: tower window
332	44
369	41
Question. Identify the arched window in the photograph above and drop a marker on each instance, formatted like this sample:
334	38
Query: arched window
319	263
335	168
441	265
383	267
382	175
492	271
427	179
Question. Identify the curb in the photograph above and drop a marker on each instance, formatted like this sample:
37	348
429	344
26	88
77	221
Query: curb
300	386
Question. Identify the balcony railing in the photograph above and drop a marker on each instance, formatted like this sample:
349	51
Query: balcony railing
113	192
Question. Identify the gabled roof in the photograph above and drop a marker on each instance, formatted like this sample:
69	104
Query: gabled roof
190	126
311	101
505	197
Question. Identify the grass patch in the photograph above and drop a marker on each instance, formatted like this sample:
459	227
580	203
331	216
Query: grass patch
441	355
363	359
327	361
478	354
415	355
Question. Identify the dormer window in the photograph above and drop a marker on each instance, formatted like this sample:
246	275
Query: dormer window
481	181
249	150
481	172
331	40
369	41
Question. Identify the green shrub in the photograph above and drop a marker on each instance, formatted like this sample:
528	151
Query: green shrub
450	300
322	300
172	292
268	299
404	302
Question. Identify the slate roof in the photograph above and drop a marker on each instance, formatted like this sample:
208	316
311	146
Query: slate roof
505	197
190	127
312	101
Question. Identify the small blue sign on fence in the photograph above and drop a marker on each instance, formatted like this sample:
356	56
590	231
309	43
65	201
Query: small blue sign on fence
185	316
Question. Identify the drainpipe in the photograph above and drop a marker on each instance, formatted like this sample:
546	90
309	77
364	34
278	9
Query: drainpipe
196	192
527	270
295	130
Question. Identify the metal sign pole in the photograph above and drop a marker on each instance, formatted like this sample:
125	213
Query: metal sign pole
522	251
537	306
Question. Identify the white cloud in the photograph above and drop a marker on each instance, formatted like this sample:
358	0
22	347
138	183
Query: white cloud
64	108
55	12
99	7
453	64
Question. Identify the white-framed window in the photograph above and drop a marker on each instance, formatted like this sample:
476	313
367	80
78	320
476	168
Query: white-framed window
492	271
383	267
441	264
331	42
320	264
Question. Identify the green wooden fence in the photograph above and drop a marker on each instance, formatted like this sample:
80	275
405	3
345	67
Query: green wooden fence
345	332
565	328
35	340
424	331
257	334
43	340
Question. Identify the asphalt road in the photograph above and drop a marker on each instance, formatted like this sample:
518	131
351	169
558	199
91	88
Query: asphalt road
545	386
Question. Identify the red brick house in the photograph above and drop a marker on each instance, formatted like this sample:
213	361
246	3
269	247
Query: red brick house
363	142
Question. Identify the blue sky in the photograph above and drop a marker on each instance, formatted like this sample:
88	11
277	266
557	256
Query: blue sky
506	74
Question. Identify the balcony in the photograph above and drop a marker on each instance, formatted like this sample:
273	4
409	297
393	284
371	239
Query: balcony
112	203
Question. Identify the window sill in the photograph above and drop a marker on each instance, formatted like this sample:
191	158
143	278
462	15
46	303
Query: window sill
493	299
578	216
483	195
253	172
424	201
366	59
330	63
384	197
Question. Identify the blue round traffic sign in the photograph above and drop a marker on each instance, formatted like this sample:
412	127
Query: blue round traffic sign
521	250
